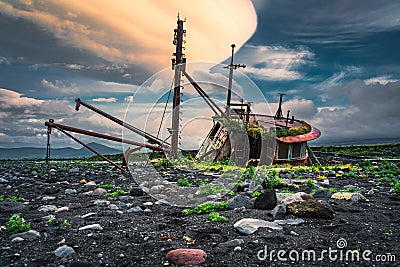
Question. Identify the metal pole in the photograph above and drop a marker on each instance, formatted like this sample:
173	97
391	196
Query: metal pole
99	135
91	149
177	64
48	143
228	99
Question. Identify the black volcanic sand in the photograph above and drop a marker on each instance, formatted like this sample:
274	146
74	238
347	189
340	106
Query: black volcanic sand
144	238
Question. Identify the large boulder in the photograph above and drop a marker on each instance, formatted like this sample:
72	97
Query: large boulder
310	209
266	201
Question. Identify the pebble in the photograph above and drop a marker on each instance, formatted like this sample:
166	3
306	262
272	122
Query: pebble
136	191
47	208
29	235
88	215
249	225
239	201
290	222
113	207
187	256
278	212
135	209
17	240
70	191
99	192
62	209
120	204
238	248
294	233
46	198
95	226
49	217
91	183
100	202
64	251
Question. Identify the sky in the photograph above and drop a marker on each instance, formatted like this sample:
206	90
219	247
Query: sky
337	62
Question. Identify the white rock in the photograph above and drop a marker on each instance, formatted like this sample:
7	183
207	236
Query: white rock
64	251
294	233
101	202
88	214
49	217
47	208
30	235
70	191
289	198
95	226
113	207
290	222
45	198
62	209
249	225
135	209
17	239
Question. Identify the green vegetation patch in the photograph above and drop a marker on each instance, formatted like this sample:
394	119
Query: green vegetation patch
206	207
106	186
117	193
216	217
20	199
16	224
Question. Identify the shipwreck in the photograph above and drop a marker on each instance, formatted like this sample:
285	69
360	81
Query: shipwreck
238	134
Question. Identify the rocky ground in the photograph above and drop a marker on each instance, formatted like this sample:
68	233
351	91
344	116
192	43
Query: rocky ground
74	222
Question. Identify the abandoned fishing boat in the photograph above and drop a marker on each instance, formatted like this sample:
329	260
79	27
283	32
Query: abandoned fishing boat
237	133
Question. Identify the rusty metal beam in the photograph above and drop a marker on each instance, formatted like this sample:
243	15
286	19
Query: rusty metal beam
150	137
99	135
91	149
206	98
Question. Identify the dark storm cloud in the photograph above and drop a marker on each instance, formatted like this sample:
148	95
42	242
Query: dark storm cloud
372	112
27	47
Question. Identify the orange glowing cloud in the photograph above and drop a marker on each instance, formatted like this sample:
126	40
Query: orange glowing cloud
141	32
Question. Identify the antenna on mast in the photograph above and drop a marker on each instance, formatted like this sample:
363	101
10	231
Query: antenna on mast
178	64
231	67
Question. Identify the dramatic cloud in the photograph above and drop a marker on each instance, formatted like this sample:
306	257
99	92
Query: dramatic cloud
380	80
22	120
120	32
274	63
61	87
372	112
106	100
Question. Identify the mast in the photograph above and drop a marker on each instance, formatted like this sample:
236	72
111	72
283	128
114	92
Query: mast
279	114
231	67
178	65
